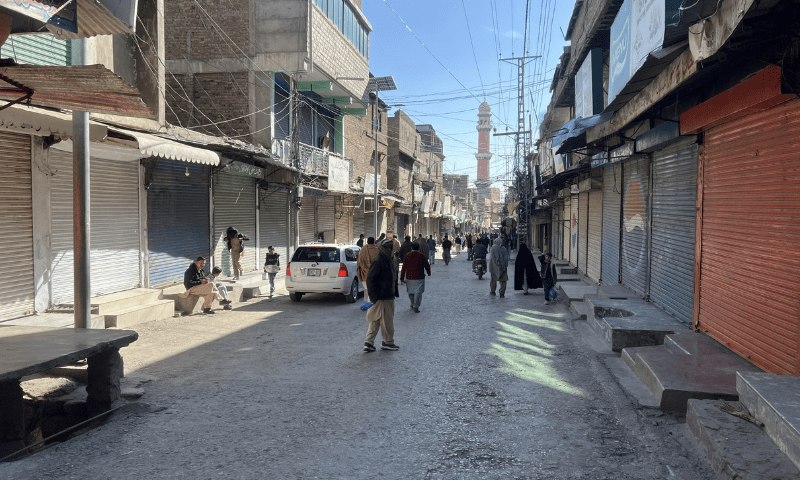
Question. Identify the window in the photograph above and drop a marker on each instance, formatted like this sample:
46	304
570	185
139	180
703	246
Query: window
344	17
316	254
351	255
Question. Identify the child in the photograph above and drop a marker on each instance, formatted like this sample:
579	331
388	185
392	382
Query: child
220	288
549	276
272	265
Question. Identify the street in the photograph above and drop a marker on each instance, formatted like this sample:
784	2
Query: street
482	387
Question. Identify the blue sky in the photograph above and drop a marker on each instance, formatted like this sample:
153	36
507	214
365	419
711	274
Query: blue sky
443	55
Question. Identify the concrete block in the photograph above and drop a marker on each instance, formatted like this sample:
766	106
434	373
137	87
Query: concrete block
775	401
158	310
580	309
566	270
736	448
186	305
575	293
616	292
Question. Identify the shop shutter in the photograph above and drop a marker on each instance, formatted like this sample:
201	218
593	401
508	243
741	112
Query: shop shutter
369	225
273	226
750	271
673	230
38	49
178	223
401	227
16	221
612	203
114	236
234	206
565	229
583	231
359	226
308	221
635	225
573	230
595	231
344	214
555	231
326	213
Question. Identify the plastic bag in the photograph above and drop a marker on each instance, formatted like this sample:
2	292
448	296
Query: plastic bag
553	294
366	306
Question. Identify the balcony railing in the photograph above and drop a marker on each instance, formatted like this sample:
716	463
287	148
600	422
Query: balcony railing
311	160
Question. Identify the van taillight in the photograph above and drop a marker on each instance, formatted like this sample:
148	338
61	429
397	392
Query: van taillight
288	272
342	270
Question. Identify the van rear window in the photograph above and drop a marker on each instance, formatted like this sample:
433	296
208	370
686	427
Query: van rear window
316	254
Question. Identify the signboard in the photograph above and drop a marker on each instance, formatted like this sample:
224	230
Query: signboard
558	160
589	85
311	192
426	203
369	183
418	193
245	170
447	209
338	174
637	30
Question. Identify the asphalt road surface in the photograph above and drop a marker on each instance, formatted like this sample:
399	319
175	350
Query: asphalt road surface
482	387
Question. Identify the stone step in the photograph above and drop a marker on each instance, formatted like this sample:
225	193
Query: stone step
736	448
775	401
566	270
674	378
692	343
126	318
580	309
571	278
576	292
616	292
630	323
104	304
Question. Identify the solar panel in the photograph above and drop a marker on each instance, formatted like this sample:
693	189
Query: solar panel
383	84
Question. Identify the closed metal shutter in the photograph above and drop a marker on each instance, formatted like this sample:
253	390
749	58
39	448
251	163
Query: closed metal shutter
400	226
234	206
555	232
359	226
344	214
635	225
573	230
749	267
178	224
114	232
308	220
583	230
326	211
16	221
273	226
38	49
673	230
612	203
566	229
595	231
369	225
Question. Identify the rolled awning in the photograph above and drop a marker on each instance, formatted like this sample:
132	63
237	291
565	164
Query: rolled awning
43	122
153	146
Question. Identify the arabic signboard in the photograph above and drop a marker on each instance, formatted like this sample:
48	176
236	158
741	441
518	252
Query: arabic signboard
245	170
637	30
338	174
311	192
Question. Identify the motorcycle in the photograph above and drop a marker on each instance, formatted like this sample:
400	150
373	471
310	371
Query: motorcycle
479	267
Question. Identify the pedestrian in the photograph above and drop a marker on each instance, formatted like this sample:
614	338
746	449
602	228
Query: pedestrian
235	243
405	248
525	274
360	241
382	288
446	246
431	249
423	245
395	252
413	275
272	265
380	239
469	246
498	266
222	289
196	283
365	258
458	244
549	276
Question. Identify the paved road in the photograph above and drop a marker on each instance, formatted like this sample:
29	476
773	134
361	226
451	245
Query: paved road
482	387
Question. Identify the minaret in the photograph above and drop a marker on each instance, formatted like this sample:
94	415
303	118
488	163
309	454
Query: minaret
484	155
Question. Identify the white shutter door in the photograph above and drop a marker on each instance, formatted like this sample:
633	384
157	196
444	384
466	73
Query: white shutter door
16	221
583	231
308	222
114	228
234	206
343	216
273	225
325	214
595	234
573	232
359	226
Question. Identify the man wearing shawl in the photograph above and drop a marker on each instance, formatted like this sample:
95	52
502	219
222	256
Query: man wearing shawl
526	275
498	264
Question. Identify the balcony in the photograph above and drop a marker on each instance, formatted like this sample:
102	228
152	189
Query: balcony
310	160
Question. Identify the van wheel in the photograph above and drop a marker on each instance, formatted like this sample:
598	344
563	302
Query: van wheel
296	296
353	295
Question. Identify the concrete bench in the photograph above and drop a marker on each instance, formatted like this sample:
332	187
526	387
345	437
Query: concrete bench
28	350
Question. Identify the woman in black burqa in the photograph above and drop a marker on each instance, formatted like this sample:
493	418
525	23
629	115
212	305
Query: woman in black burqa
526	275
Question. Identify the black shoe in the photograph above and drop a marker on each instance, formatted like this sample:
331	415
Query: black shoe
208	311
416	310
492	293
502	295
389	346
227	307
368	347
224	302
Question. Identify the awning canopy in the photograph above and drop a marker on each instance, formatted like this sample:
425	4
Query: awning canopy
86	88
43	122
572	135
512	206
153	146
71	18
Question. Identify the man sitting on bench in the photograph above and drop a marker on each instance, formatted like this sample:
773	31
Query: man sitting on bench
196	283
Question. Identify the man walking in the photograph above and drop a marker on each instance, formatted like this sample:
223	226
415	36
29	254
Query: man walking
272	265
446	246
360	241
469	246
498	266
413	275
364	261
423	245
431	249
382	287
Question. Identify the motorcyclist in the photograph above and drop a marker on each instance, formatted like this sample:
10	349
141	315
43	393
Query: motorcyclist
479	252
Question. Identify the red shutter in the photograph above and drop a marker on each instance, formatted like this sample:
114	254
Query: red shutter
749	289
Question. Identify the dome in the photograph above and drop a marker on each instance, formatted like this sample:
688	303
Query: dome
484	107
